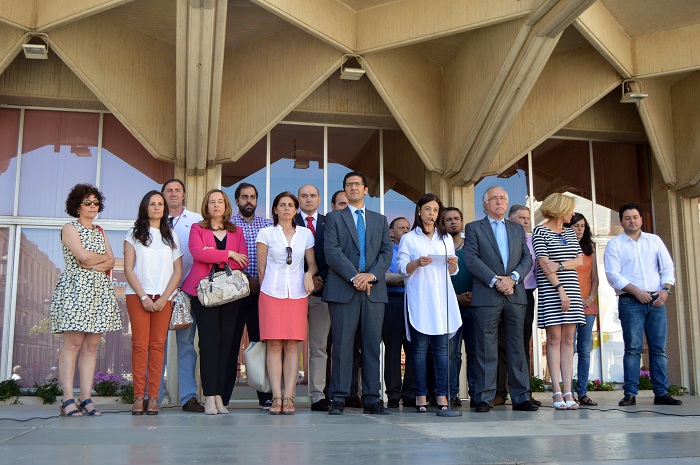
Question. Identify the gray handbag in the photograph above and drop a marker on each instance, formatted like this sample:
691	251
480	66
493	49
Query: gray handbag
256	366
222	287
182	313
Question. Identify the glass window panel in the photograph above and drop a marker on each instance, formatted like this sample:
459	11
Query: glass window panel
249	168
404	176
622	175
59	150
562	166
123	157
352	149
35	348
9	139
290	169
4	244
513	180
613	347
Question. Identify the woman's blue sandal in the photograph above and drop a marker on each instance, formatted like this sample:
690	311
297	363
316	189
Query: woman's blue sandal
72	413
92	411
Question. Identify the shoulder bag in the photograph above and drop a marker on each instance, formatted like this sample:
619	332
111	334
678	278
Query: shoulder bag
182	313
222	287
256	367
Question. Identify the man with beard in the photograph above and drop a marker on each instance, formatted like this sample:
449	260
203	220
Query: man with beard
462	283
246	197
181	219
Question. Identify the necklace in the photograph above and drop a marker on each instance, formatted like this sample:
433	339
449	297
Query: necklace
459	247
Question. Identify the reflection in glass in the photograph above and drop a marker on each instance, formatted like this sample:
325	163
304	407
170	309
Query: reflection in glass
59	150
123	157
514	180
613	347
35	347
9	138
404	176
622	175
249	168
352	149
4	240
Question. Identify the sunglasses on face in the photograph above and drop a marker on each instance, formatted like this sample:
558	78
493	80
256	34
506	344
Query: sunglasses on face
87	203
289	255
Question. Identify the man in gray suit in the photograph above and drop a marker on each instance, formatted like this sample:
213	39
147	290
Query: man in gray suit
358	252
497	255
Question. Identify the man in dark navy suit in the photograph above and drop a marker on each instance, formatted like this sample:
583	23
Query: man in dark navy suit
319	318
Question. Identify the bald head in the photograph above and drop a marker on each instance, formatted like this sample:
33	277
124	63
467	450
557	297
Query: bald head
309	199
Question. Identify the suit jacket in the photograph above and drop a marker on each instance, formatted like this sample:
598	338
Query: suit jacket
484	261
342	253
319	253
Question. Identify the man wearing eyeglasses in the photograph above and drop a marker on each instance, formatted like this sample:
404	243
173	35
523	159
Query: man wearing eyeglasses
246	196
358	251
496	253
181	220
319	318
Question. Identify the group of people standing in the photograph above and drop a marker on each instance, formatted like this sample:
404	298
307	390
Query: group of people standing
354	280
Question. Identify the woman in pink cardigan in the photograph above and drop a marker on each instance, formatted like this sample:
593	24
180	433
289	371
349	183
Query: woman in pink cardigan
214	242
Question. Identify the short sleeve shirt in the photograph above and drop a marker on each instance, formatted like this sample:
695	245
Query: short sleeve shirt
154	264
284	281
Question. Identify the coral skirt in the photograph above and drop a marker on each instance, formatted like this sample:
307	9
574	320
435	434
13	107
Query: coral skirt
282	318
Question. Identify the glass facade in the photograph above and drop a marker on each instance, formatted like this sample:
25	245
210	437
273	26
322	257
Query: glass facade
43	154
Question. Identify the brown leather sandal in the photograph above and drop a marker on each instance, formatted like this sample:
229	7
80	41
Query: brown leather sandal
276	407
585	400
288	406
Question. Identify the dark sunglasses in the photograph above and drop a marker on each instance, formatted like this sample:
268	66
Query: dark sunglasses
289	255
87	203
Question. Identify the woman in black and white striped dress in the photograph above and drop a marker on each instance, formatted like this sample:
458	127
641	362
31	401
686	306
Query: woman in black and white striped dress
560	307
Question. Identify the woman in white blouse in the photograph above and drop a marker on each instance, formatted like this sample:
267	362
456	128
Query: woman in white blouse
284	290
153	268
431	302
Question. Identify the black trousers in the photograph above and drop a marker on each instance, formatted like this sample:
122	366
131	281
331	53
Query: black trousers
394	337
216	326
248	318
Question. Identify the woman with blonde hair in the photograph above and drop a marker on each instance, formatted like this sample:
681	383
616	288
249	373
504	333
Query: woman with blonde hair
560	307
214	242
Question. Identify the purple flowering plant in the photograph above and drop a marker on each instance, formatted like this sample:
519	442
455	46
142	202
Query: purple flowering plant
644	380
107	384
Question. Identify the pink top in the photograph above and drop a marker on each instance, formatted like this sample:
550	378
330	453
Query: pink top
204	259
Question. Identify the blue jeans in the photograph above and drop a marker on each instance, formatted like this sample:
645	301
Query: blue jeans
419	346
455	363
638	319
582	345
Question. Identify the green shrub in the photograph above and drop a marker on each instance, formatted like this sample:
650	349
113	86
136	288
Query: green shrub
536	384
598	385
9	388
107	384
644	383
677	390
126	393
48	391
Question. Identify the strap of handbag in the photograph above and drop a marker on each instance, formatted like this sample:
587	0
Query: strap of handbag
213	271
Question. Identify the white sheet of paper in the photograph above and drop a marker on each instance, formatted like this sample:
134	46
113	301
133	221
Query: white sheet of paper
440	260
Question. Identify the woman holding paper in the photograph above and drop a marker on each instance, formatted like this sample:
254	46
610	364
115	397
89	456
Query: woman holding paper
426	258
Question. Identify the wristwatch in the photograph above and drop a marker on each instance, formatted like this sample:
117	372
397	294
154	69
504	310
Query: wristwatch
143	298
561	266
667	289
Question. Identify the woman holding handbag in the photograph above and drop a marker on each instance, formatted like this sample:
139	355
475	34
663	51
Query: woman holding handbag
214	242
153	268
284	289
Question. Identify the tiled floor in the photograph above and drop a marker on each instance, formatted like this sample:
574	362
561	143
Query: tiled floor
645	434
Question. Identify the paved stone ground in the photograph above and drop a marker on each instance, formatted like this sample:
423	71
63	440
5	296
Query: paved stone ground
645	434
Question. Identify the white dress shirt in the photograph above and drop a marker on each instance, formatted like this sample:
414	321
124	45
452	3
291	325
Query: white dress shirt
182	225
284	281
153	265
645	263
430	297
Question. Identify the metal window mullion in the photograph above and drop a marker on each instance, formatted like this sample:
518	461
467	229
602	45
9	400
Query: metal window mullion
325	169
9	336
15	206
594	222
100	131
268	174
381	173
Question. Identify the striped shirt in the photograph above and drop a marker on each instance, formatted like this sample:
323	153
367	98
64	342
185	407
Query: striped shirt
250	233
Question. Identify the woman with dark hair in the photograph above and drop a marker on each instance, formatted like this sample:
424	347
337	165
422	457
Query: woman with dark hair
284	288
153	268
431	300
588	280
560	308
83	305
214	242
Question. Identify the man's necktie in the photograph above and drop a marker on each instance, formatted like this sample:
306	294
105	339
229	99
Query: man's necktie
502	241
361	236
310	224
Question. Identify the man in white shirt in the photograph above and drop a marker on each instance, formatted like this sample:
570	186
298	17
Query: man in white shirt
319	318
639	268
181	220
